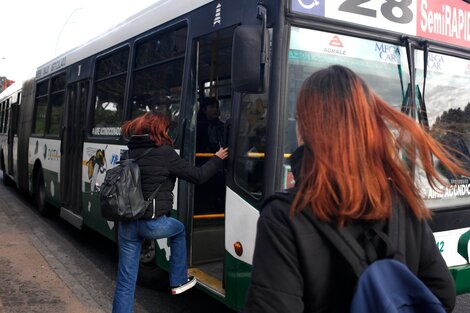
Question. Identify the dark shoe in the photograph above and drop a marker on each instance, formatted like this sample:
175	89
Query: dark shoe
183	287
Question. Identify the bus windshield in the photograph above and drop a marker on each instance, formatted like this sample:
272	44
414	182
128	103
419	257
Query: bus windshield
447	108
383	66
442	102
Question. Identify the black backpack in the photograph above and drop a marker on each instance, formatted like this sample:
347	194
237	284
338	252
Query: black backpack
121	195
385	285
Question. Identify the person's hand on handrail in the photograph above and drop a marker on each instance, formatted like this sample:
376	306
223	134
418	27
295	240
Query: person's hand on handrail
222	153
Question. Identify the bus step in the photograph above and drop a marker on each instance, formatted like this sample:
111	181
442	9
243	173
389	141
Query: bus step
207	281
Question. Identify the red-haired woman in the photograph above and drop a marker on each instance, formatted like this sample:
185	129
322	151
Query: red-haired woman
348	173
162	165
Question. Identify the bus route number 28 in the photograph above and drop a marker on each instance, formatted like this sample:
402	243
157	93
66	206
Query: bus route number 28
393	10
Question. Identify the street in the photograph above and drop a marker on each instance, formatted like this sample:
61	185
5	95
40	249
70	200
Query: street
58	268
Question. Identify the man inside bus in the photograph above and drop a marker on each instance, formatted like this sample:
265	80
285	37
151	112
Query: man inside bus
210	129
209	197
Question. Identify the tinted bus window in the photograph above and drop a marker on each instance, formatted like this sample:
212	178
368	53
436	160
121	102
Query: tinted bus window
41	107
109	93
158	74
251	144
161	47
6	122
1	115
114	64
56	103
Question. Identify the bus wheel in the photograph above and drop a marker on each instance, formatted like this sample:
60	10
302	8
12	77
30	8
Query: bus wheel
7	181
40	195
150	274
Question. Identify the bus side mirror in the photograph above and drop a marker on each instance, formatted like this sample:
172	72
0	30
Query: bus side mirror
249	58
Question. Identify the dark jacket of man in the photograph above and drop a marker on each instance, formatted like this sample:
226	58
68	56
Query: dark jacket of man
163	165
295	269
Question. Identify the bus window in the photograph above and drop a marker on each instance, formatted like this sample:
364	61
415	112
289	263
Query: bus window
383	66
111	74
40	108
161	47
2	113
251	144
56	103
14	126
1	117
7	116
158	73
447	116
249	167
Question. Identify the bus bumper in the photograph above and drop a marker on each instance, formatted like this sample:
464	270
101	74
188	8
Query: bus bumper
461	276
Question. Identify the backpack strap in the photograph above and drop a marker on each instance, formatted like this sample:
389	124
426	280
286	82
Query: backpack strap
154	193
125	155
143	154
341	239
396	230
356	255
345	243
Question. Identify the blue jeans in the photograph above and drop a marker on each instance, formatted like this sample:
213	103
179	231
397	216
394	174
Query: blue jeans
130	238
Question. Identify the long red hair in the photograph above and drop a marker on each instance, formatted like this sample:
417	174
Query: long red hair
153	123
351	158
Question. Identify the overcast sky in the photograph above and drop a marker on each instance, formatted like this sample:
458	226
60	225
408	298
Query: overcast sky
35	31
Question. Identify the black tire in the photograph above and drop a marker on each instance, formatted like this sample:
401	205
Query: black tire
40	195
7	181
150	274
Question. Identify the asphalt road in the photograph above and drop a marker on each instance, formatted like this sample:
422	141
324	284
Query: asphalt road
85	262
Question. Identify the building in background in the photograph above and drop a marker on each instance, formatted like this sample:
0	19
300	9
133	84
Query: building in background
4	83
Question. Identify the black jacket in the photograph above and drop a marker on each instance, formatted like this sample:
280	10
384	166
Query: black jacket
164	165
210	134
296	270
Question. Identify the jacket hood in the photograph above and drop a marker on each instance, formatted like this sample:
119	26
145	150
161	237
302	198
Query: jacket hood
140	141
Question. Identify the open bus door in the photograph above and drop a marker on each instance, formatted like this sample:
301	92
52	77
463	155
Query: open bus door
213	237
71	152
213	113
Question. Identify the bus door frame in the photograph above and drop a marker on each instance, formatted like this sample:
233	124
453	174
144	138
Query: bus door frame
72	136
12	131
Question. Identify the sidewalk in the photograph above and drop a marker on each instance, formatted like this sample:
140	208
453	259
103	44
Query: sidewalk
28	283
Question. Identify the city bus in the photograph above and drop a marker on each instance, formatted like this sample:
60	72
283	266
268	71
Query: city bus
60	131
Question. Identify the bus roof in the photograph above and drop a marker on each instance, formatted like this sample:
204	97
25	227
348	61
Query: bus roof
158	13
13	88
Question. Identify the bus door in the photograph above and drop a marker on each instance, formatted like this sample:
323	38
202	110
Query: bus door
213	110
13	116
71	147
